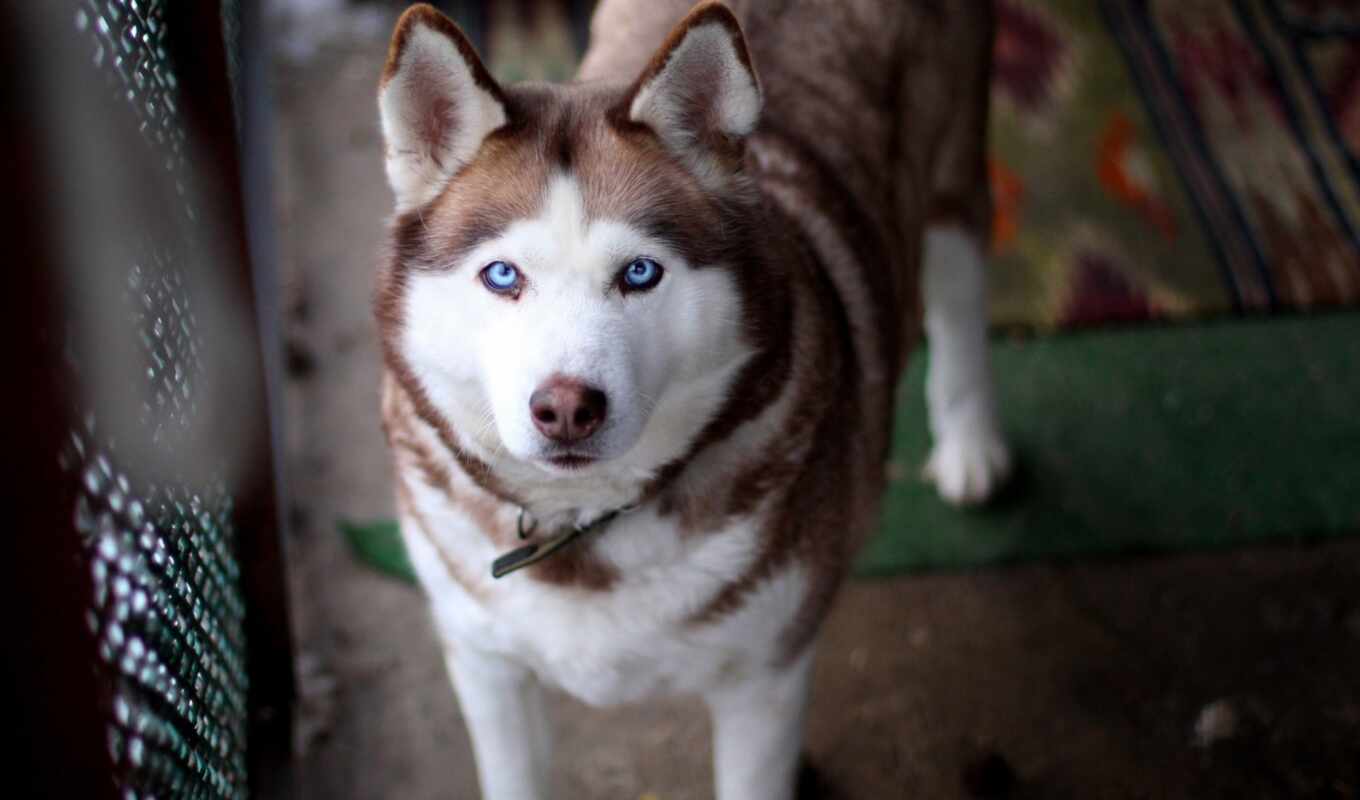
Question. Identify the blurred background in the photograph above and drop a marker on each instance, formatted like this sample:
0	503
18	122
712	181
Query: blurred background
212	599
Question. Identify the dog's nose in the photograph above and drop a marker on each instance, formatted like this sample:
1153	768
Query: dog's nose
567	410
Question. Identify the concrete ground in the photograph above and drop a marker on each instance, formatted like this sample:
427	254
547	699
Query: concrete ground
1204	676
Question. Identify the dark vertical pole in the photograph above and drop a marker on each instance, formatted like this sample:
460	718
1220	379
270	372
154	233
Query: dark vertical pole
272	701
201	60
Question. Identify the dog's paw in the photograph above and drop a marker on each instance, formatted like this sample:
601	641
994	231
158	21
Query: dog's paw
968	466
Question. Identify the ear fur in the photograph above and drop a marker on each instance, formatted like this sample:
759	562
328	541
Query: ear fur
700	90
437	103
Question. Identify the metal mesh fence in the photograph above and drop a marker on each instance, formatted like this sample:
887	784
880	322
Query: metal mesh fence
167	604
167	607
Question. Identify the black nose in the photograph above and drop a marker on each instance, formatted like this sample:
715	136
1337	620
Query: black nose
567	410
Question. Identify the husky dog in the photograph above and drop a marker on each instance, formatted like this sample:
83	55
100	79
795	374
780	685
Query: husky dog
642	334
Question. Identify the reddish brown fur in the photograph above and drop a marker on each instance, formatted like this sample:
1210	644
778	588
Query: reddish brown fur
411	511
624	174
484	508
863	106
863	129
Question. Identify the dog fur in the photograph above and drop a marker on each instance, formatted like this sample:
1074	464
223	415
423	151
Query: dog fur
804	172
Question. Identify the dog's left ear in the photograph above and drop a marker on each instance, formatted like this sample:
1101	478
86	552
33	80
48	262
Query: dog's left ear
437	102
699	93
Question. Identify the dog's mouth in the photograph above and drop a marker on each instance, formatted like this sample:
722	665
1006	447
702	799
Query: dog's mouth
570	461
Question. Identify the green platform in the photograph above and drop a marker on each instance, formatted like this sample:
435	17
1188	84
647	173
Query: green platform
1148	440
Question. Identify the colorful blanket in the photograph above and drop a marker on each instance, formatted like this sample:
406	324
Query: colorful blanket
1167	158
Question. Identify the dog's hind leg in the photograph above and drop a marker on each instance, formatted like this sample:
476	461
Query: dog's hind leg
503	707
948	97
758	733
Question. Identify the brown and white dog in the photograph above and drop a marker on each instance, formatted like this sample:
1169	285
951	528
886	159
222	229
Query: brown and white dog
642	334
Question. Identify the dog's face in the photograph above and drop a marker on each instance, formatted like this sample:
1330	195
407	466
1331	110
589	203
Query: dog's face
563	337
566	286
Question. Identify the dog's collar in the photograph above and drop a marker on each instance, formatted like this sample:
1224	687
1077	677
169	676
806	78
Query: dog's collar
535	552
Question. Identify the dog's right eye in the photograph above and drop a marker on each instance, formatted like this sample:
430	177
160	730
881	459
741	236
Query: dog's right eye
502	278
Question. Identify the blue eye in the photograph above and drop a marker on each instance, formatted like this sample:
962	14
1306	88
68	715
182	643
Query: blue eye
641	275
501	278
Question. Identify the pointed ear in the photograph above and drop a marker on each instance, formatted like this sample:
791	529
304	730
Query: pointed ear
700	91
437	104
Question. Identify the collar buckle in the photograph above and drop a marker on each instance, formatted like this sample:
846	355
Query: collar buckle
525	531
531	553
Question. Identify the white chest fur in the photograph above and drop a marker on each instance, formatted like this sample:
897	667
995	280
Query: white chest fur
632	640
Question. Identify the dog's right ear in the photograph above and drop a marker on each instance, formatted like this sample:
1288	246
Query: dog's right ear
437	102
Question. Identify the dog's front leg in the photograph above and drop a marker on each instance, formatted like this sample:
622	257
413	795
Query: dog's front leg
502	703
970	459
758	732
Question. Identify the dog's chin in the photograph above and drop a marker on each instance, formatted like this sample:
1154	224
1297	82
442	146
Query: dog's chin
578	461
568	463
562	462
598	457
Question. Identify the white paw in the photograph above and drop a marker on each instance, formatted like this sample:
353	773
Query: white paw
968	466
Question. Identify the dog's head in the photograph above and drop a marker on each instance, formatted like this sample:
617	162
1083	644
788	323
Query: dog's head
571	284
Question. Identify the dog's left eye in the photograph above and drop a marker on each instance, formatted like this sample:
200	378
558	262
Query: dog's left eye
641	275
501	277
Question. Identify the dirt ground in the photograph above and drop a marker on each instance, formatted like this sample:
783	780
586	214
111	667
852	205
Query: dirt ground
1205	676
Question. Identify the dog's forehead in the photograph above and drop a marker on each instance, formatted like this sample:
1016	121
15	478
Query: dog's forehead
621	171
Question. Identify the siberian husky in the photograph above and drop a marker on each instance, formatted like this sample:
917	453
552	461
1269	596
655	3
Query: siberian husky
642	334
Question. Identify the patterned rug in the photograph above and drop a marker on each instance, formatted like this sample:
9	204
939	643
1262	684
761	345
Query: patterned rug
1172	158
